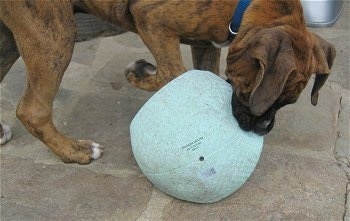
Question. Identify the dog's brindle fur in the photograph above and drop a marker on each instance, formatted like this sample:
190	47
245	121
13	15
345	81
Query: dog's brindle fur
269	62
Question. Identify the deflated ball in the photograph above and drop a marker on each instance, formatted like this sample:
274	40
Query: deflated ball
187	142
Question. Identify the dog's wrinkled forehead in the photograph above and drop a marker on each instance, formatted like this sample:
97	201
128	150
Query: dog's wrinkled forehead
275	66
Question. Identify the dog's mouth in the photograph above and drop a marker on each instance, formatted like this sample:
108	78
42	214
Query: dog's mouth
260	125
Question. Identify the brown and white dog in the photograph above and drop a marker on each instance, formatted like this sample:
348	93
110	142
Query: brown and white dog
269	62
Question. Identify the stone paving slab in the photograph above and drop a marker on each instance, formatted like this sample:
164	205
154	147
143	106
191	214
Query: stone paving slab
303	173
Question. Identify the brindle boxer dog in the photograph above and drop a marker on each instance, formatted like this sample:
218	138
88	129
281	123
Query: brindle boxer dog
269	62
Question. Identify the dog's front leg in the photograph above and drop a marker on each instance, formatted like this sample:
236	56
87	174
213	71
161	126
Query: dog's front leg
206	58
166	51
46	42
165	47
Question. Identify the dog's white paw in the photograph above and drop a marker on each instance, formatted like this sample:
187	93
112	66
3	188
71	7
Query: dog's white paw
96	150
7	134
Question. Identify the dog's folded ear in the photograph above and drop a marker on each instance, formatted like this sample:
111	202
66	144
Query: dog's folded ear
324	54
275	55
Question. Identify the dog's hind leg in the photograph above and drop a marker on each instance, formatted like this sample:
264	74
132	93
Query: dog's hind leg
8	55
5	133
46	43
8	50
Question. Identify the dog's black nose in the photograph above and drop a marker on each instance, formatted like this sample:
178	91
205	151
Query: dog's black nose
263	126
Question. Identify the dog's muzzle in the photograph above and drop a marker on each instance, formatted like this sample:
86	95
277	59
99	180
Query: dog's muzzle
260	125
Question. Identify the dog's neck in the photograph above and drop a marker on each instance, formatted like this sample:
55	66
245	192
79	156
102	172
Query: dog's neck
237	18
235	23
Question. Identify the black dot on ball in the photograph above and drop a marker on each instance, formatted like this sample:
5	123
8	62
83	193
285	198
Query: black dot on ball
201	158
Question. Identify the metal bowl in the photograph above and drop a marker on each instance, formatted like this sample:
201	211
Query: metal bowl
322	13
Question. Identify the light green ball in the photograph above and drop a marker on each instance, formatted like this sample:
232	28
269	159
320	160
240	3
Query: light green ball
187	142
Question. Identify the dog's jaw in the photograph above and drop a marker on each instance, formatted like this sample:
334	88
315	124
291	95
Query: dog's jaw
260	125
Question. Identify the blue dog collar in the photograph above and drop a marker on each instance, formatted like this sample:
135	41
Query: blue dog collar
237	18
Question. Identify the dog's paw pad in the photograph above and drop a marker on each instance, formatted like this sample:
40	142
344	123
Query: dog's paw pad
140	69
97	150
7	134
